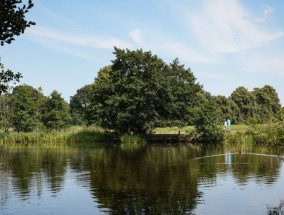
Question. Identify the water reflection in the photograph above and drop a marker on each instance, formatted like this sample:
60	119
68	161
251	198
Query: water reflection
154	180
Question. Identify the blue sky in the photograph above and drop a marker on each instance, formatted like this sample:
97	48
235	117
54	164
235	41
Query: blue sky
226	43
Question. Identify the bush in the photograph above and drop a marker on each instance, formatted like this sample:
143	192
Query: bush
206	124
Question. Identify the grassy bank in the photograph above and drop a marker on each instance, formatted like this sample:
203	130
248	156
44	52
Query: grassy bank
187	129
174	130
70	135
270	134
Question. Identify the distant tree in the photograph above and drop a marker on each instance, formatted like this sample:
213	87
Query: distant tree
100	93
227	108
5	112
268	102
247	105
141	92
79	104
56	113
26	106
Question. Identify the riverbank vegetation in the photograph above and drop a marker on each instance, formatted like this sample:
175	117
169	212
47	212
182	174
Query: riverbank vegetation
75	134
139	94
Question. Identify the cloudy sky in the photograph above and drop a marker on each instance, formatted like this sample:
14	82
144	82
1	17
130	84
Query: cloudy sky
226	43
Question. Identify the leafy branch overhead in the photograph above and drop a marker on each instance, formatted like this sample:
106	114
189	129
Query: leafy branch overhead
12	23
12	19
6	77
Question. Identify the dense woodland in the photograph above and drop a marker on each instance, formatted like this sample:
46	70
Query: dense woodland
135	94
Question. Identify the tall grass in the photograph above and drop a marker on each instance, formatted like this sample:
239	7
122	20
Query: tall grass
70	135
174	130
271	134
130	142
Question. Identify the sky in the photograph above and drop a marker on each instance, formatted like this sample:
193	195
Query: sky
225	43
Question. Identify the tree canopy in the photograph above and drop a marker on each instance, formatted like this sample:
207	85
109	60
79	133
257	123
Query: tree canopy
12	23
56	112
12	19
79	103
26	108
141	91
6	76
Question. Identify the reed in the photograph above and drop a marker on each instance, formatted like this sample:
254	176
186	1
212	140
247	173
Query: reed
271	134
239	137
131	142
70	135
174	130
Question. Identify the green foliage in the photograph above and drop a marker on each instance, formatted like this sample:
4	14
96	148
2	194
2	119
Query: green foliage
6	77
207	125
5	112
271	134
246	102
141	92
280	115
100	92
12	19
56	113
268	103
13	23
259	106
79	104
227	108
174	130
26	107
70	135
130	142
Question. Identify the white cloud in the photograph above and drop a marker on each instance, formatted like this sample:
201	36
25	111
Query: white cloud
221	26
267	11
183	52
136	36
76	39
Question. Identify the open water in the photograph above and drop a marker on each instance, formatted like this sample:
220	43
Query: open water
158	179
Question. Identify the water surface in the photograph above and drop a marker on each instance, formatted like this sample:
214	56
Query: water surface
103	179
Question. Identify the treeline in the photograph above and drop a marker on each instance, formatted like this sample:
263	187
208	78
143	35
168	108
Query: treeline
139	91
135	94
27	109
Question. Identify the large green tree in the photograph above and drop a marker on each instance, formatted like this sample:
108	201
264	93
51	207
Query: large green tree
26	106
56	113
12	23
141	91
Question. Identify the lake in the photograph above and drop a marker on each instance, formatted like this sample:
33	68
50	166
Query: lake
158	179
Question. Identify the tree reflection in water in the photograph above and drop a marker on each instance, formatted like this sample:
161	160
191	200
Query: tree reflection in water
154	180
276	210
